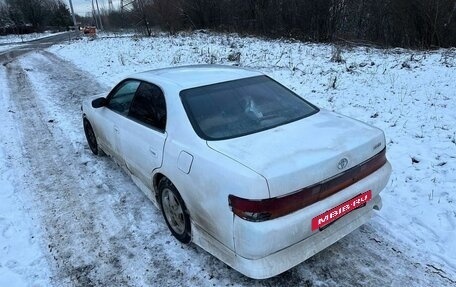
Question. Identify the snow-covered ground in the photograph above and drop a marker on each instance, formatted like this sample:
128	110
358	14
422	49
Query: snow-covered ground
14	39
10	41
21	257
410	95
7	47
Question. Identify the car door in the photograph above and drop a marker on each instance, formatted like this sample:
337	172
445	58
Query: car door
142	144
113	116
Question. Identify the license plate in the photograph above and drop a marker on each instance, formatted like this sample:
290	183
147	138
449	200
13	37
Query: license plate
337	212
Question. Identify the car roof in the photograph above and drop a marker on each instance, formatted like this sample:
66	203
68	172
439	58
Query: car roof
185	77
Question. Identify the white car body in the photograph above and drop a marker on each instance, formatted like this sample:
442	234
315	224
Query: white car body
272	163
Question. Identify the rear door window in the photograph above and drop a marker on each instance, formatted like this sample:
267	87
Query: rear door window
149	107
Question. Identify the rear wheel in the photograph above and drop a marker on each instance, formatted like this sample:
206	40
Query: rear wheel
174	211
91	138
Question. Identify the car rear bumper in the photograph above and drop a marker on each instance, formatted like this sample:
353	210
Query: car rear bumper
295	254
265	249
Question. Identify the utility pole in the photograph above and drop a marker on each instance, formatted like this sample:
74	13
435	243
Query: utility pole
95	14
72	14
99	16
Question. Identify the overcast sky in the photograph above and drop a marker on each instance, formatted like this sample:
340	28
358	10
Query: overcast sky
82	7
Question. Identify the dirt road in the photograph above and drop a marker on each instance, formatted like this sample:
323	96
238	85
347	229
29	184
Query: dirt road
100	230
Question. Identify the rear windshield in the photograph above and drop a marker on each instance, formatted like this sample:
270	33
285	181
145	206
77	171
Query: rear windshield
241	107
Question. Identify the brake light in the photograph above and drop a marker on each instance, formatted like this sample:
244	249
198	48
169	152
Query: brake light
266	209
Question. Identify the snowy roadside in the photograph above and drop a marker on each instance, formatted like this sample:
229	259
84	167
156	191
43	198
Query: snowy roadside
21	258
14	41
20	39
410	95
7	47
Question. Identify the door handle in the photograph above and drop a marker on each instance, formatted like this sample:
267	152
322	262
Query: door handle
116	130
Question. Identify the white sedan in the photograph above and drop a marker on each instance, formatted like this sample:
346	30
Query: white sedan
239	164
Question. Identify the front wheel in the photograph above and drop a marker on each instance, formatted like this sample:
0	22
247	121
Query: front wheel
174	211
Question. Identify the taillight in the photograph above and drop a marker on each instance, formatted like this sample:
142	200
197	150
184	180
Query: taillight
266	209
261	210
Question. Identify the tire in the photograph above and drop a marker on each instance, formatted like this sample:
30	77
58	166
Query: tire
91	138
174	211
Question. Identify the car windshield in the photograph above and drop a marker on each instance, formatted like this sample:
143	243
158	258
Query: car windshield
241	107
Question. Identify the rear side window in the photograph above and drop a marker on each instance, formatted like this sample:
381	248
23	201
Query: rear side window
149	107
121	97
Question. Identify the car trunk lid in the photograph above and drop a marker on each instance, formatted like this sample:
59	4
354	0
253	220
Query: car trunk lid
305	152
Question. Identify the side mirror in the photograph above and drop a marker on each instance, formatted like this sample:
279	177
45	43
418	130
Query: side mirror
98	103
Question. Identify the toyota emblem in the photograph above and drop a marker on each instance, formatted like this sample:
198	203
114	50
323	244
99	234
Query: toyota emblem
342	163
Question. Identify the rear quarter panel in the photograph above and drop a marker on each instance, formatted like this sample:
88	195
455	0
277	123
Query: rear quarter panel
205	189
212	176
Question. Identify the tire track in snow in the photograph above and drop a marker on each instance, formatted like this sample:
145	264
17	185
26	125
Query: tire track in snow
82	219
54	185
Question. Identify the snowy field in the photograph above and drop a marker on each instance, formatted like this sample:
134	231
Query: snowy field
410	95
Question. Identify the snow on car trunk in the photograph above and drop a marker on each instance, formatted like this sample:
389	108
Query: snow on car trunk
304	152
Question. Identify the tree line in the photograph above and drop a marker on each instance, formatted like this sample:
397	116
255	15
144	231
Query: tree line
391	23
33	15
404	23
